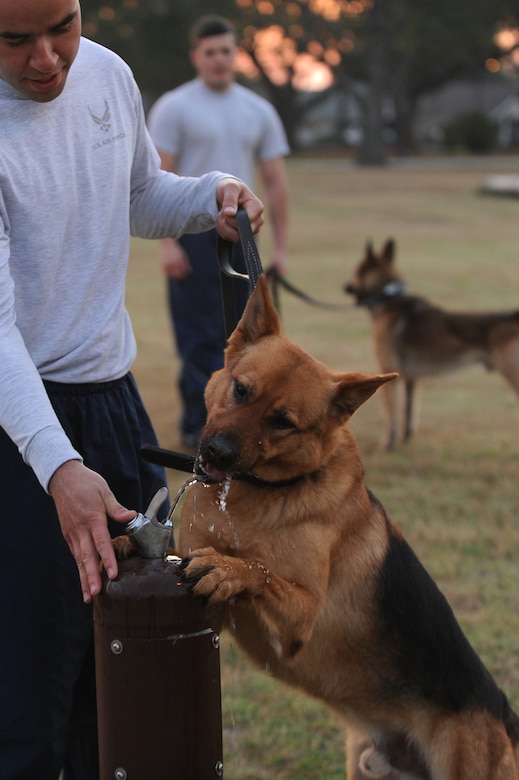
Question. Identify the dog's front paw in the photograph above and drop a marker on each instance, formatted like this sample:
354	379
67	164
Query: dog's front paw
124	547
220	577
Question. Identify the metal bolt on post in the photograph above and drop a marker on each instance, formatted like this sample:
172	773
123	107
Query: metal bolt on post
157	666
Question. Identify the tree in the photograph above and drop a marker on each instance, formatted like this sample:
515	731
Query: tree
430	43
285	40
379	50
151	35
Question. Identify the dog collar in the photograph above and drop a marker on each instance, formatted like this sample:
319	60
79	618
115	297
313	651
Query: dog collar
390	290
259	482
393	288
252	479
189	464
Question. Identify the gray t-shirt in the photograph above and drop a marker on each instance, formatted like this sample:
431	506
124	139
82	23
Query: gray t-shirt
230	131
77	175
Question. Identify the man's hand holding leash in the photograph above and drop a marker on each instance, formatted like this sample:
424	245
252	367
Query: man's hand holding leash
232	193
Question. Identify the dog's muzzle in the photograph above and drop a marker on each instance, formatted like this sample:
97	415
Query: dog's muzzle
220	451
218	457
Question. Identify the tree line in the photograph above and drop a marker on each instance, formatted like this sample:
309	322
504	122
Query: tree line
375	50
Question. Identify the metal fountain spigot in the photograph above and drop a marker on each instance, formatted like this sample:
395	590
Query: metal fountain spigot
150	535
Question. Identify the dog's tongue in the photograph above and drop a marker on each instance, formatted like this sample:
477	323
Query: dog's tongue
214	473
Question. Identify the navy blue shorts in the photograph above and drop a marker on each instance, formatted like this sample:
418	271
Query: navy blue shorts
47	683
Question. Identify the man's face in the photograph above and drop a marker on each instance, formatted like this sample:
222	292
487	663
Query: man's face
39	40
214	59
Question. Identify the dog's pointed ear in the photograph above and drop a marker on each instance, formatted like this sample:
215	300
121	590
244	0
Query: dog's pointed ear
388	253
259	318
353	390
369	250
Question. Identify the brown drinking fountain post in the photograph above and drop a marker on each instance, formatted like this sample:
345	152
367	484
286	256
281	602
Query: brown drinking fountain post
157	666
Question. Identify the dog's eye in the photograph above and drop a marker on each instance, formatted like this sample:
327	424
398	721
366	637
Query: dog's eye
240	391
281	422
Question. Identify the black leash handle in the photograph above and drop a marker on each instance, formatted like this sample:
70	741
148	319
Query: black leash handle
229	274
249	248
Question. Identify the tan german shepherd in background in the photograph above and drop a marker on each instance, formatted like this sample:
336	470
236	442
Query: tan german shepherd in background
321	588
417	339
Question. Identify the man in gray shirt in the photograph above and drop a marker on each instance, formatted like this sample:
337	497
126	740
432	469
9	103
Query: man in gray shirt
213	122
78	174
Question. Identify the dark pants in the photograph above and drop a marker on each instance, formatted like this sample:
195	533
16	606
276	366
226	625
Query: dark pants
47	683
195	306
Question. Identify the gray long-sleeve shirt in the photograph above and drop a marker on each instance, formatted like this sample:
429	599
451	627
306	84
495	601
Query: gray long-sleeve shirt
78	175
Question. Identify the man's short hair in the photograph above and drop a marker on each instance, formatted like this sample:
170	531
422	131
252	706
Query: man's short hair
210	25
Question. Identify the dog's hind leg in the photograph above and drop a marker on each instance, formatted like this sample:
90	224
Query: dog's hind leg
389	394
505	359
409	411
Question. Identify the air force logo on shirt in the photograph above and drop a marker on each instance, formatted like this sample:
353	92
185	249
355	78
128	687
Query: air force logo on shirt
103	121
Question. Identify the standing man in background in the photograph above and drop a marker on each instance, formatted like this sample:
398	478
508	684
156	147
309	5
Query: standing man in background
212	122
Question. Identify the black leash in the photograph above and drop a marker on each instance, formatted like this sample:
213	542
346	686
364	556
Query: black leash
228	274
276	281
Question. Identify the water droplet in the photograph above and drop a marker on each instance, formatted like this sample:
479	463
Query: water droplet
222	495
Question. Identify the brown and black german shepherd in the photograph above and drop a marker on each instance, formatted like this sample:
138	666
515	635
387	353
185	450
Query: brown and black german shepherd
417	339
320	586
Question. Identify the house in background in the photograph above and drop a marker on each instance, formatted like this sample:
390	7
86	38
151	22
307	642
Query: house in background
334	119
506	117
338	119
498	99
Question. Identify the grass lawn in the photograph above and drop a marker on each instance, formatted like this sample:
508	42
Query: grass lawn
454	489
